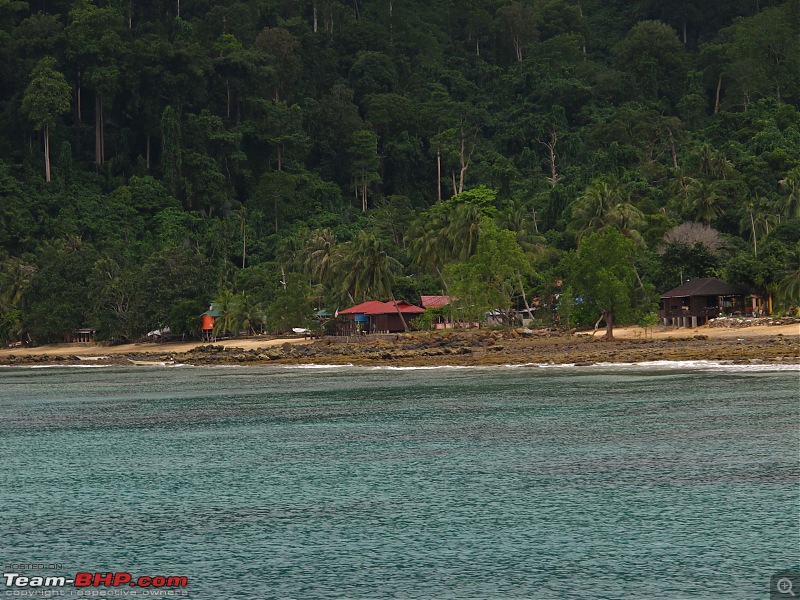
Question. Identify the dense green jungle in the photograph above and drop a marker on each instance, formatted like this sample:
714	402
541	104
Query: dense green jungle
276	157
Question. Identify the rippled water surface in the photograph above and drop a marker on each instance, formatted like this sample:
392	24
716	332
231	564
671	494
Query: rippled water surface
269	482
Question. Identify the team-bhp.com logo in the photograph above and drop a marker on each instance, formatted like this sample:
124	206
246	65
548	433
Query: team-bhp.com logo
82	580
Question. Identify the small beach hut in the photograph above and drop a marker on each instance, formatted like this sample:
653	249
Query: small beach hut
207	322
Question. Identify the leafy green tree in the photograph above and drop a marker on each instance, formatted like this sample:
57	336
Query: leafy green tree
602	274
365	163
654	60
47	97
56	297
516	27
280	47
488	279
291	306
111	290
95	46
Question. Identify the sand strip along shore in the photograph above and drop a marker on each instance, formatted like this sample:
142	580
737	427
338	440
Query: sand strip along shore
771	344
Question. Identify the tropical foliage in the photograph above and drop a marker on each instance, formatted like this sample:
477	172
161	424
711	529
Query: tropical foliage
276	156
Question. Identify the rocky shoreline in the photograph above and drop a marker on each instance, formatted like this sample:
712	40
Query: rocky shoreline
456	348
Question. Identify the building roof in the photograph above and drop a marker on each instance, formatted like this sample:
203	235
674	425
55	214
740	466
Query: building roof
364	308
375	307
707	286
212	312
322	313
405	308
434	301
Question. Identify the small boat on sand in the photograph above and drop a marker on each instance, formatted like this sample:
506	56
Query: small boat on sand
152	363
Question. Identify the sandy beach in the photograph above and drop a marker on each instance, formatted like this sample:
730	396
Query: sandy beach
780	344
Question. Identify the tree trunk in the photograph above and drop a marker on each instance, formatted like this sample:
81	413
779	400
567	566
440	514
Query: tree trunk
98	160
228	94
364	195
672	149
551	150
524	298
314	11
280	158
244	242
464	160
147	154
716	98
444	283
102	133
47	153
438	174
77	125
608	317
399	312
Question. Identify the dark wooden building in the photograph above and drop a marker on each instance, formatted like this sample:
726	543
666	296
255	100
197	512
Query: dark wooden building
698	300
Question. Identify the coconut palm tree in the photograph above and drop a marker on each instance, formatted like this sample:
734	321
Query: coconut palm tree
319	255
789	285
428	245
464	229
592	211
520	220
370	270
705	199
758	221
790	206
628	220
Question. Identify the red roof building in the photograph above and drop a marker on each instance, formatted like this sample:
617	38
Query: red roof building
382	317
434	301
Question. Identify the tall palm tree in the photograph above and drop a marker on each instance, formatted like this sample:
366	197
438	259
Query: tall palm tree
428	245
225	304
289	252
319	255
705	199
520	220
628	219
592	211
758	221
789	285
464	229
370	270
246	313
790	206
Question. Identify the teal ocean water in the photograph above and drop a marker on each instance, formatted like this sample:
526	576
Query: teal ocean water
263	482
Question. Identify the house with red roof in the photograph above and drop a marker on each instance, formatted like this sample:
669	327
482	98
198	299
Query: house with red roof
381	317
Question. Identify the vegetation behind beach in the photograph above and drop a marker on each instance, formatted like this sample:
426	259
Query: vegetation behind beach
274	157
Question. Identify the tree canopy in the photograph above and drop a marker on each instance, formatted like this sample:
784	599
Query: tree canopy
169	155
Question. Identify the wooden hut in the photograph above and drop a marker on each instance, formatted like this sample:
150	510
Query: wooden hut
207	322
698	300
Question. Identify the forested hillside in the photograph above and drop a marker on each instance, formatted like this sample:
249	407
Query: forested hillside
278	156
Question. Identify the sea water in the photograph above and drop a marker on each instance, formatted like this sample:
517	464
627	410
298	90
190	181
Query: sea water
654	481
